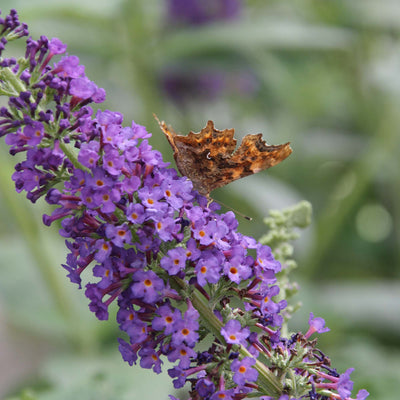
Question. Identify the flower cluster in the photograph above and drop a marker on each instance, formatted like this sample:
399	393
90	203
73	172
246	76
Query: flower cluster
11	29
177	269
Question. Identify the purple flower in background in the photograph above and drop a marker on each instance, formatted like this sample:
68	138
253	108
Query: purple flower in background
200	12
182	84
184	81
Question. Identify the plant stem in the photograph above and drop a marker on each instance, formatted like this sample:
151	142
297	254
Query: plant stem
266	379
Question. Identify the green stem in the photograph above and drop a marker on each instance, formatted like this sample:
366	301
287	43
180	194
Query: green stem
266	379
72	157
13	82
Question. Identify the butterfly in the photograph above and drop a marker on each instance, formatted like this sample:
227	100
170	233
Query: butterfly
210	158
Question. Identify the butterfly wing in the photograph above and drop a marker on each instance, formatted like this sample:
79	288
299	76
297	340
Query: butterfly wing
209	159
252	156
200	155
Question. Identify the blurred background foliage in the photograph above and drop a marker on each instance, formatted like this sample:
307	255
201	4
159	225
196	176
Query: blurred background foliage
324	75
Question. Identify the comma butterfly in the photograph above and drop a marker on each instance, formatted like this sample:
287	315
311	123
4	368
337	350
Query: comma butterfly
209	159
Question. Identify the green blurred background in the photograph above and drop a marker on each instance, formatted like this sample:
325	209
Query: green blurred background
324	75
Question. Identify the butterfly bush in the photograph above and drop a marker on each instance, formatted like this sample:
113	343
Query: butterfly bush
178	270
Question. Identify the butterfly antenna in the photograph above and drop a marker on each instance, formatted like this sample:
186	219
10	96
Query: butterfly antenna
156	118
246	217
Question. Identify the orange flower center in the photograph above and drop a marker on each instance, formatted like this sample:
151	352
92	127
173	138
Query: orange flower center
185	331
